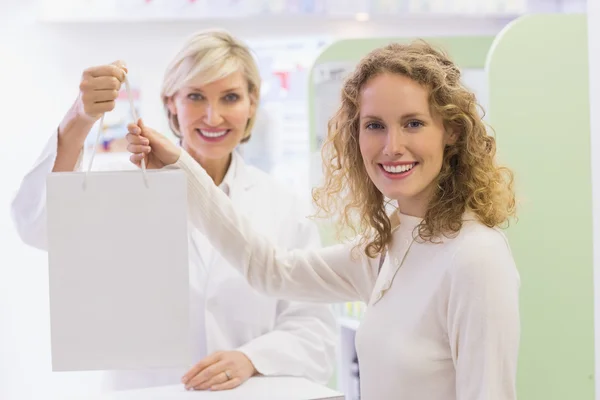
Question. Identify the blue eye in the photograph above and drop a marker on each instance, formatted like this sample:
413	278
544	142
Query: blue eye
231	97
414	124
194	96
374	125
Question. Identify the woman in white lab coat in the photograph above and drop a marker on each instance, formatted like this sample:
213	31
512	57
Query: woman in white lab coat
210	93
442	320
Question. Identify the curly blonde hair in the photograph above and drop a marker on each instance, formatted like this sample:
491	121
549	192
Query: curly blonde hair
469	180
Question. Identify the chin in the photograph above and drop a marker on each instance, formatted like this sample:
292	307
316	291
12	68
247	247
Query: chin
398	195
216	150
392	191
215	153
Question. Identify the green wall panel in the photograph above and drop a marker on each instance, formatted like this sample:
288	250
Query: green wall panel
539	108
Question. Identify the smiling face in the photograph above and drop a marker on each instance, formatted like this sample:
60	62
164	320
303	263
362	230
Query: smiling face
213	117
401	142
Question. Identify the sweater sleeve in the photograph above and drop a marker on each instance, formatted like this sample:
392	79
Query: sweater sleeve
483	320
331	274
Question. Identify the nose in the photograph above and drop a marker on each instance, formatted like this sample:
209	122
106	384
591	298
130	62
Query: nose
395	142
212	115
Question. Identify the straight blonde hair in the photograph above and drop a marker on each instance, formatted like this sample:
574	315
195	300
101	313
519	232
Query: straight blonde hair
206	57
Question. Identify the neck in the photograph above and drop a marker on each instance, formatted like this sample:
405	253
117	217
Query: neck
216	168
416	206
413	210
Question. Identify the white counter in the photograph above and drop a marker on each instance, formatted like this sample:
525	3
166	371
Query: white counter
259	388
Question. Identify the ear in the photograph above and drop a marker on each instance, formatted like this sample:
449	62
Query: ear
451	137
253	105
171	105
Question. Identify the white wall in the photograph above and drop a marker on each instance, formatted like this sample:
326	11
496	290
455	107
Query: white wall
593	13
39	74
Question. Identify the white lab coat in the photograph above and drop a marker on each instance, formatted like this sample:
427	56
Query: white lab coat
280	337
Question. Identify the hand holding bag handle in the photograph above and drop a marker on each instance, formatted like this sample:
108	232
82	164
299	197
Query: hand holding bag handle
100	130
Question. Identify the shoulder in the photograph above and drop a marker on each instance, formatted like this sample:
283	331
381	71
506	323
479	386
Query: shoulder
279	210
263	184
482	253
474	233
257	176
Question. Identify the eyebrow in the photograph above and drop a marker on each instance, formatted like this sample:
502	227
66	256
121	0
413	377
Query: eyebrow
405	116
232	89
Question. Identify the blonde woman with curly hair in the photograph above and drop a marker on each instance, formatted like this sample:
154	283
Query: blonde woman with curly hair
437	273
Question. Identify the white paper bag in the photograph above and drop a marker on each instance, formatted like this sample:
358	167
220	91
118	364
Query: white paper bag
118	266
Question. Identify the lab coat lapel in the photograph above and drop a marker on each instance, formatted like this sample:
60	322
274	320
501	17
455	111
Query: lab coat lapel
240	195
244	179
220	275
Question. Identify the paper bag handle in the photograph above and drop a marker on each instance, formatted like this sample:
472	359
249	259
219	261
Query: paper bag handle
101	129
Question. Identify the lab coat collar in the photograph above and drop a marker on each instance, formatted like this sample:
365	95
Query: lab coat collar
239	175
230	175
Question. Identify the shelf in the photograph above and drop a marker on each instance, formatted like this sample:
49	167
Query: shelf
269	19
258	10
219	11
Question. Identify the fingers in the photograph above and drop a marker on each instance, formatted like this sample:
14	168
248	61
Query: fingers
99	88
141	140
134	129
137	159
110	70
218	379
196	369
121	64
100	83
138	149
209	376
134	136
98	96
136	144
142	126
230	384
148	132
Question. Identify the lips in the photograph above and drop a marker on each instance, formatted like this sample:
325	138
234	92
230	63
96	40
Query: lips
398	169
213	135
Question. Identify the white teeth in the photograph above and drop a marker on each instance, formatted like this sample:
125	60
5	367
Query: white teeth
212	134
396	169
